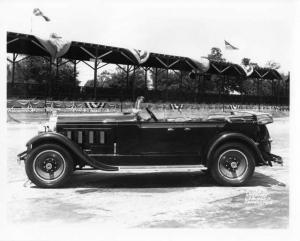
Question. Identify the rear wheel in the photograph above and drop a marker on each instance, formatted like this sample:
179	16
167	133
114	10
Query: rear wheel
232	164
49	165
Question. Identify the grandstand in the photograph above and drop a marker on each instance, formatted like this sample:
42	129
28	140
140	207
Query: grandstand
97	56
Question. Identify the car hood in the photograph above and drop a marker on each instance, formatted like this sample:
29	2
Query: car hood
96	117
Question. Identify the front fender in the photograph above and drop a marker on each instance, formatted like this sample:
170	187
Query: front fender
73	148
229	137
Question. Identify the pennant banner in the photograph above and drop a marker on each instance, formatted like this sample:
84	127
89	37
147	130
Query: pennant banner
93	105
141	56
77	106
178	107
202	64
55	45
248	69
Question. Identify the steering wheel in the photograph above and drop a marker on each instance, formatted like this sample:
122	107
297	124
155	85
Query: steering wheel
151	114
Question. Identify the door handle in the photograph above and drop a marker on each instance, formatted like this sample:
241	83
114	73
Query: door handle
170	129
87	150
187	129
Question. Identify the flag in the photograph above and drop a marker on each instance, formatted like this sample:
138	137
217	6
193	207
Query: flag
229	46
38	12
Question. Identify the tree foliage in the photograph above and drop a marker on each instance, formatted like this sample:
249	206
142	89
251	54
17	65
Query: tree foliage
272	64
36	69
216	55
247	61
118	79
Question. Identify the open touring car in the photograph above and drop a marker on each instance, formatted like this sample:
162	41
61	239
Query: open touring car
229	145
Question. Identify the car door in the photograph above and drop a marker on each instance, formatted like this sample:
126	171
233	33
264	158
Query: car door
165	143
150	143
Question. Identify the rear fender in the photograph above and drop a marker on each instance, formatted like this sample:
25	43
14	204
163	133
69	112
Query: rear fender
73	148
233	137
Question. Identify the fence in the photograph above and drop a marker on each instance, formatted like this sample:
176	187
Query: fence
91	106
34	91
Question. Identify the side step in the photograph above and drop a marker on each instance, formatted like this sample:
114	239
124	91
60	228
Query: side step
158	169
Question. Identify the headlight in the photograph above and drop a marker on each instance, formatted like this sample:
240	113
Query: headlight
48	126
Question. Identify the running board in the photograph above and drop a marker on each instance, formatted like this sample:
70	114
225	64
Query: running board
159	169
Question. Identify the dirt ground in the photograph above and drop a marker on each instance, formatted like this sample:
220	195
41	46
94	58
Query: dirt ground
152	200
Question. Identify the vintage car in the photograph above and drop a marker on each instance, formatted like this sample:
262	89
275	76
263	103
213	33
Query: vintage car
228	145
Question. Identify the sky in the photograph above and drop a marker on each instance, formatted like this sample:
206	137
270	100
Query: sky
262	30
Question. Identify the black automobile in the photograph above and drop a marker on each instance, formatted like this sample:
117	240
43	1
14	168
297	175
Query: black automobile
228	145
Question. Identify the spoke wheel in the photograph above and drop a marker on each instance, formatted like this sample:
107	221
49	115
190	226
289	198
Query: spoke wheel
49	165
232	164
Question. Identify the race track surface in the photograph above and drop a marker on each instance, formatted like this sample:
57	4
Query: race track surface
152	200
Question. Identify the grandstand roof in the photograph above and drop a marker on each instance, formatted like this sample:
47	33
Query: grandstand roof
265	73
30	45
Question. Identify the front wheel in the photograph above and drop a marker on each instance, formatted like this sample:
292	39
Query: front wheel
49	165
232	164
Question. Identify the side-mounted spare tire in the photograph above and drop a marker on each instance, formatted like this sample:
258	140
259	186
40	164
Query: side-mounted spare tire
232	164
49	166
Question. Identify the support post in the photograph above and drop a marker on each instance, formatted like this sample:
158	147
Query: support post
57	65
222	96
74	72
180	83
13	70
273	94
287	89
180	87
258	94
146	88
242	92
219	90
288	85
95	74
167	81
74	76
261	93
155	85
198	86
56	76
286	94
145	78
278	92
50	77
127	78
203	87
133	84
